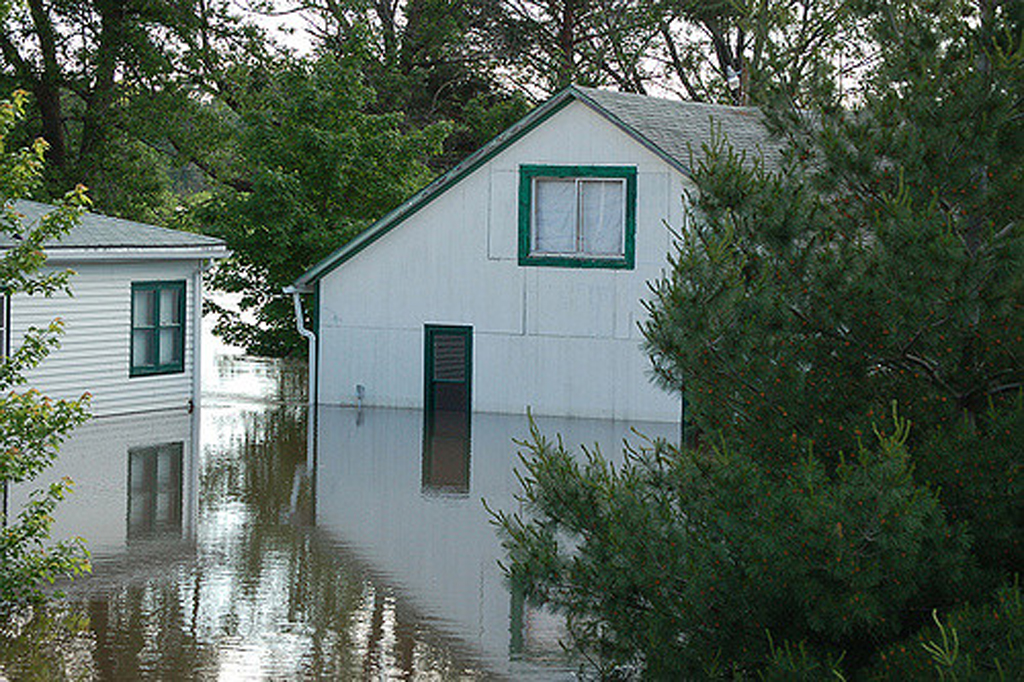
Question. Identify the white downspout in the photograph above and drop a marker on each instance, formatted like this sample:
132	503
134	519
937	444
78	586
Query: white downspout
300	325
191	509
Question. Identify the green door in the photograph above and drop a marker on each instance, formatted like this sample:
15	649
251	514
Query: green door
448	372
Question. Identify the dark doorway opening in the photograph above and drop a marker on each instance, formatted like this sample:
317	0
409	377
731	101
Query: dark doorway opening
448	372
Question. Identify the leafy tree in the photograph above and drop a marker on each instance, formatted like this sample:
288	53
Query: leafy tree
724	51
32	426
678	563
319	169
553	43
876	266
743	52
423	59
110	78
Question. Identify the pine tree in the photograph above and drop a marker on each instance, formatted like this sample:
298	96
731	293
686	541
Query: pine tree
845	325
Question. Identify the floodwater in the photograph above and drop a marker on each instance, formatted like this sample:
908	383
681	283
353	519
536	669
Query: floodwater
223	548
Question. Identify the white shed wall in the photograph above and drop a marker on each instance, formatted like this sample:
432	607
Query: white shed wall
94	354
561	340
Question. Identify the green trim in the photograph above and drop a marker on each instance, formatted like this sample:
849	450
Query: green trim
429	332
527	173
177	365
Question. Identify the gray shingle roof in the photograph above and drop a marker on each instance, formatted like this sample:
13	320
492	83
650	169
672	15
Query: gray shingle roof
669	128
96	231
674	127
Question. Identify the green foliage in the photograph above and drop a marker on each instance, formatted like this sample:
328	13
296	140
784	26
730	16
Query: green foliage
320	169
876	264
980	479
983	642
32	427
684	559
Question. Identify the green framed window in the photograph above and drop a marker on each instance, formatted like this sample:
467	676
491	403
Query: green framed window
577	216
158	328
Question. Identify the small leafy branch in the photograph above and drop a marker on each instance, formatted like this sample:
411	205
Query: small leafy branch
32	426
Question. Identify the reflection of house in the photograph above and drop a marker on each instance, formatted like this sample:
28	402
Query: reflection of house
155	489
534	253
431	540
131	328
134	479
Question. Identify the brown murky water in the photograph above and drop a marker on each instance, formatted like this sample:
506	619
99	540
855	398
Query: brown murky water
223	550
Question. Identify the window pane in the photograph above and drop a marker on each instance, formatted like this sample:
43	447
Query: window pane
603	220
143	308
554	216
170	306
143	348
170	345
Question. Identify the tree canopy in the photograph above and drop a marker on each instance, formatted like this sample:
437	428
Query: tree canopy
151	104
318	168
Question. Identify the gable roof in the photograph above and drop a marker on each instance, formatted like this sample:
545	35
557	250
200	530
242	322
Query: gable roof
98	235
668	128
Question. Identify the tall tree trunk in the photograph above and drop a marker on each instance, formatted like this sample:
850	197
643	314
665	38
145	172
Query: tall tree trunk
47	86
566	45
111	38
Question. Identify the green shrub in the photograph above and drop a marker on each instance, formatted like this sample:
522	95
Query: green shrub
983	642
682	560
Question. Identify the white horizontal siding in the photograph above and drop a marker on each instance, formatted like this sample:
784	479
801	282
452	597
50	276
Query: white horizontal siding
94	354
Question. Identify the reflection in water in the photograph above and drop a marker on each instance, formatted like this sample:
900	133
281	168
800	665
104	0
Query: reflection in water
446	446
208	565
155	488
440	551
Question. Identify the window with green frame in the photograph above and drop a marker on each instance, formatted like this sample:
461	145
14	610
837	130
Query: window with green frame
577	216
158	328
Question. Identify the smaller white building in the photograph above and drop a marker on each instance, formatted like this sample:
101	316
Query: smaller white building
132	324
519	277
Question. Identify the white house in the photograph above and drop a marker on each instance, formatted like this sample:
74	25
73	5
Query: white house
516	278
132	325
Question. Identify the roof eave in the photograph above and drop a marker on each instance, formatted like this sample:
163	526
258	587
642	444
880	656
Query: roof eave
107	254
506	138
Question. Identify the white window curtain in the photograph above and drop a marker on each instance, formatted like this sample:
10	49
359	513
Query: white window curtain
602	208
144	322
554	217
